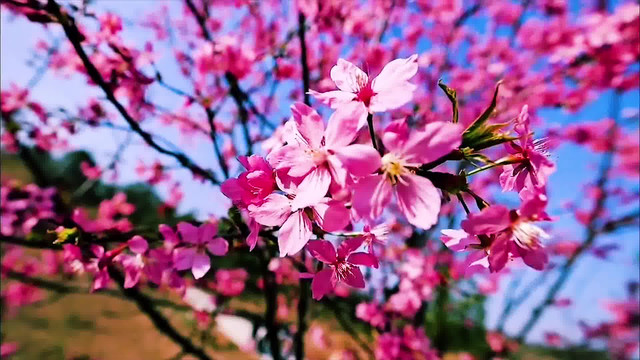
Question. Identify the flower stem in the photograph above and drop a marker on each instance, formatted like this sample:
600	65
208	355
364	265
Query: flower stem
372	133
503	161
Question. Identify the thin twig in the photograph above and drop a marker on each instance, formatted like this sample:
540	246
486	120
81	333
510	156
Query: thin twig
74	35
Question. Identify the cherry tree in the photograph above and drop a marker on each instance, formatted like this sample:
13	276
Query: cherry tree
387	163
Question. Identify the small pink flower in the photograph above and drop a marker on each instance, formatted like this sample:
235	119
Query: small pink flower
417	198
7	349
91	172
198	240
296	222
231	282
342	266
253	185
511	233
316	156
371	313
99	265
134	264
360	95
533	167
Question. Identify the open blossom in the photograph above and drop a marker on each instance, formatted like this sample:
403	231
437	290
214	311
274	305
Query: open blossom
358	93
92	172
231	282
296	220
253	185
317	155
342	265
99	266
533	167
417	198
134	264
505	233
198	240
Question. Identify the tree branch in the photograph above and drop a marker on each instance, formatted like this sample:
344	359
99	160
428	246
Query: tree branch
75	37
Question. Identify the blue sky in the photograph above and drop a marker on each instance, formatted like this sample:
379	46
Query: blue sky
592	281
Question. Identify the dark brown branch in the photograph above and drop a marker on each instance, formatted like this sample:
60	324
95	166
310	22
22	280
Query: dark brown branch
216	147
271	299
303	299
75	37
145	304
387	20
303	58
238	95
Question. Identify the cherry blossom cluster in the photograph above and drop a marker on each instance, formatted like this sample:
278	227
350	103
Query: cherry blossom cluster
352	179
22	207
322	179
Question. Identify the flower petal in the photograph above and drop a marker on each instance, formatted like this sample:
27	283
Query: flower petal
499	253
457	240
359	159
231	188
188	232
183	258
392	86
343	125
332	215
312	189
348	246
322	283
534	258
365	259
335	99
138	244
294	158
434	141
206	232
355	278
273	211
294	233
418	200
322	250
201	265
490	220
309	123
370	195
348	77
218	246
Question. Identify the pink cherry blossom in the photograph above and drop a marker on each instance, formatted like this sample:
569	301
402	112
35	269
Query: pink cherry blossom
513	233
533	166
317	155
296	223
134	264
360	95
193	255
342	265
253	185
418	199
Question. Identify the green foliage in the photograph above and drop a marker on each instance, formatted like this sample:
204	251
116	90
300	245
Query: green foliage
479	135
451	94
66	175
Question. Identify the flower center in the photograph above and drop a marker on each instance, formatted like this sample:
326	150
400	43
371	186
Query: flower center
528	235
365	92
319	157
393	167
343	270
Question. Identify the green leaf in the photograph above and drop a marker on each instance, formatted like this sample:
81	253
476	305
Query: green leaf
451	94
65	235
487	113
